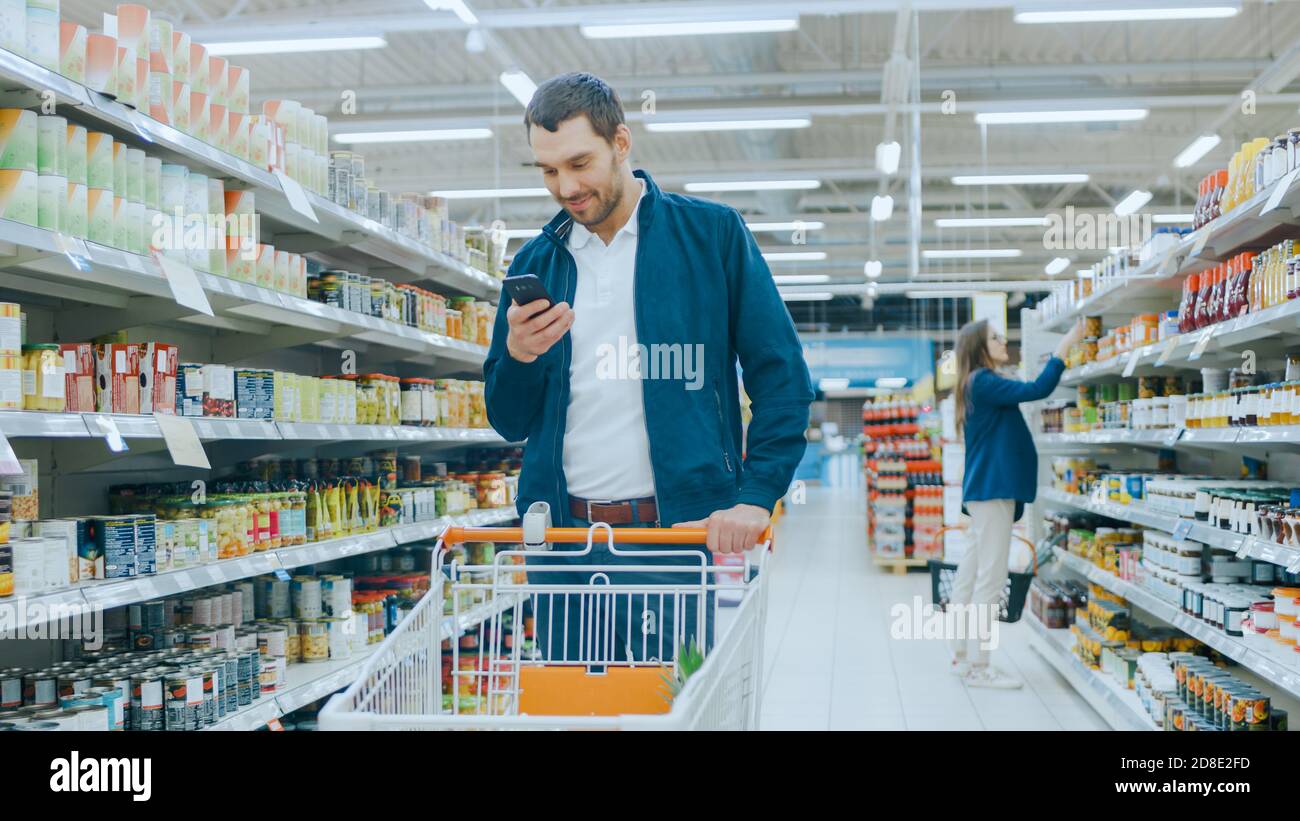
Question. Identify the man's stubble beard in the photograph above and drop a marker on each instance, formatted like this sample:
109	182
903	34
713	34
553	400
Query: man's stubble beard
616	196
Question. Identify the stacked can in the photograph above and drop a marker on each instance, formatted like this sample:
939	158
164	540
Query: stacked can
43	33
153	205
52	172
173	189
74	215
101	63
160	70
200	91
99	187
120	228
196	207
134	31
180	110
72	51
241	238
218	107
137	231
11	365
13	26
18	177
215	237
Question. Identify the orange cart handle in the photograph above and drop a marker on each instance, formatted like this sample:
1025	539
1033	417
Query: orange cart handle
579	535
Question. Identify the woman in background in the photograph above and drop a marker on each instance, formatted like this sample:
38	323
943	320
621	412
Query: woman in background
1001	476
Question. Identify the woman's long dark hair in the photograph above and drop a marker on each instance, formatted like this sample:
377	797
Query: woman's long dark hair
972	354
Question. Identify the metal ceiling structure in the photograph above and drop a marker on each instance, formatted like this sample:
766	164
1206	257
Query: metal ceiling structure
965	57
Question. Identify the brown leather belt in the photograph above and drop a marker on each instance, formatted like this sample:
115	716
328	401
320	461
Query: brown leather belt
615	513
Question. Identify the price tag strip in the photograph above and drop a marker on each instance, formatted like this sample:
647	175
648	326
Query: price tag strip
1279	192
1131	365
296	195
1202	239
1202	343
182	441
184	283
1181	529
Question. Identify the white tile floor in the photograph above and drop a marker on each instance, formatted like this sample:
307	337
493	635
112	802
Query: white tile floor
831	663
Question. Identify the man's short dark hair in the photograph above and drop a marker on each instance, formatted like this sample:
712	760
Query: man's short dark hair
562	98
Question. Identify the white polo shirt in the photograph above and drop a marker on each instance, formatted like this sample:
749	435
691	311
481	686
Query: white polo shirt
606	448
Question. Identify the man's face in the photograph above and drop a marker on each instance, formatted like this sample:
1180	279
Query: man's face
581	169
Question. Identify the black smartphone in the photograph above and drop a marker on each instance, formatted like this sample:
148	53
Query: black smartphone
527	288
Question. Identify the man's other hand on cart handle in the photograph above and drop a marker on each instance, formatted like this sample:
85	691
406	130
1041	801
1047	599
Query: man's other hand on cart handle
735	529
534	328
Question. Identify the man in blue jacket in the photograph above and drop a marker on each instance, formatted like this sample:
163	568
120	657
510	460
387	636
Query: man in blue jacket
626	388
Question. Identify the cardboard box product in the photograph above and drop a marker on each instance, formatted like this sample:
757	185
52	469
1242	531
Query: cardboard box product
158	361
254	393
219	391
24	489
73	535
189	389
117	378
79	376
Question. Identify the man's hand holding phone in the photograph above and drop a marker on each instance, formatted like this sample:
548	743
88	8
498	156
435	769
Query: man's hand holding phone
535	327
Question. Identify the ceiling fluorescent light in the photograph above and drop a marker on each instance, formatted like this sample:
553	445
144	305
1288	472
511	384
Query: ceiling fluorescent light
1176	219
753	185
891	382
490	193
1132	203
686	28
1199	148
805	296
812	225
795	256
1018	179
237	48
1102	115
882	208
729	125
1182	11
456	7
972	253
937	294
872	269
992	222
1056	266
887	157
520	233
520	86
802	279
832	383
431	135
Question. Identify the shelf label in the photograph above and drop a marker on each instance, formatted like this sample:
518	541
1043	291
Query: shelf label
1202	239
297	197
1241	547
182	441
1181	529
107	428
1279	191
1173	437
1099	494
282	574
9	464
1132	363
1202	343
186	289
275	726
74	249
1168	352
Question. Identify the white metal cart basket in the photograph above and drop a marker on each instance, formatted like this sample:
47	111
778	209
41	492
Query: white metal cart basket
457	661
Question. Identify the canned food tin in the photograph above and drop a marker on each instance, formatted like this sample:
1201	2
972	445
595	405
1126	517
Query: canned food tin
211	684
306	597
271	640
147	710
268	674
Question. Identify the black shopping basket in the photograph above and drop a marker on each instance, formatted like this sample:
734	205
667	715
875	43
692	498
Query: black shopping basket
1012	602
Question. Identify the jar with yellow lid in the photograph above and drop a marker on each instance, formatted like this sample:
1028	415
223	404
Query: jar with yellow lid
43	387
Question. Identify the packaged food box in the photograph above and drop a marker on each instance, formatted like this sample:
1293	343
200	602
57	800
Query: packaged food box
79	376
24	487
117	377
158	362
189	389
219	391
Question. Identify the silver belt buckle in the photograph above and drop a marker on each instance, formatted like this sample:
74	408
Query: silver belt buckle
591	502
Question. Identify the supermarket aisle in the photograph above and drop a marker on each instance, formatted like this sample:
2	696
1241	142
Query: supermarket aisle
831	663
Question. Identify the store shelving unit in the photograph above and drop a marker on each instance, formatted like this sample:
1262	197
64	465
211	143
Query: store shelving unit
328	227
306	683
1256	653
1243	546
117	593
1118	706
91	290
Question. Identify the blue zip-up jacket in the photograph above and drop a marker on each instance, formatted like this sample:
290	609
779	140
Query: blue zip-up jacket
1001	462
699	279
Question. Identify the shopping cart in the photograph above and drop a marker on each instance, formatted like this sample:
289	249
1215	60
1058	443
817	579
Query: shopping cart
430	674
943	575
